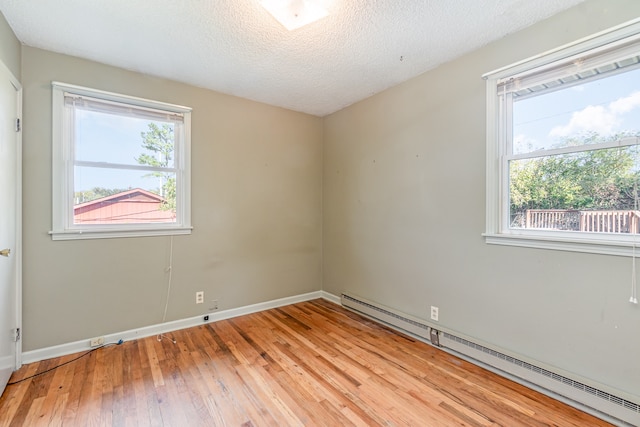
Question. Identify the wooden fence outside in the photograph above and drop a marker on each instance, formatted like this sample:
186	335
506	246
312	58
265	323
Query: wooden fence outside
627	221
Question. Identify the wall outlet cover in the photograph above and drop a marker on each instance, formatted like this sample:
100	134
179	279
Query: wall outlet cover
434	313
96	342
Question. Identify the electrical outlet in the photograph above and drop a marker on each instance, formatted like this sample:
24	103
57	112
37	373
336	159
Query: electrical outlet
96	342
199	297
434	313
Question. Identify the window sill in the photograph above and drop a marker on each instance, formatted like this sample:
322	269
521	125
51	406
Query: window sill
596	244
120	233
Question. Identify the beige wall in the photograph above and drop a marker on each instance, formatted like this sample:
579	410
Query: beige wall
404	209
256	212
9	48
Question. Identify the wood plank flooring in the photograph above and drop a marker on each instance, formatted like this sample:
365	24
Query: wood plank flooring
311	364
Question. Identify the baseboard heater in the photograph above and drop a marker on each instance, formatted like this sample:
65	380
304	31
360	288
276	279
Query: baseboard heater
600	403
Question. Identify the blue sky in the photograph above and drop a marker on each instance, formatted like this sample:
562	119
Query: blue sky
103	137
606	106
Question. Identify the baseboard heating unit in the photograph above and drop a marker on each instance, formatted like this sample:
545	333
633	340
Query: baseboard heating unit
590	399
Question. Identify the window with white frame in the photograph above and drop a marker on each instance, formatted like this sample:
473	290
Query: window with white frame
563	147
121	165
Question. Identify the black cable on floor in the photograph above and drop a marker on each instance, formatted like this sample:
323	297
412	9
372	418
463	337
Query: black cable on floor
65	363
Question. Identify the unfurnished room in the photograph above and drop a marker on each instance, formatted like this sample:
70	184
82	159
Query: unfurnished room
319	213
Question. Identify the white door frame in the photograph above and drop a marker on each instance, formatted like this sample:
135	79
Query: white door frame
6	73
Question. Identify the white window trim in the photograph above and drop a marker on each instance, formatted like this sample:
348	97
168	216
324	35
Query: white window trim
497	180
62	179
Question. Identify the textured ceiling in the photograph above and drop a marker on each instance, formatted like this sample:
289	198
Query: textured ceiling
237	47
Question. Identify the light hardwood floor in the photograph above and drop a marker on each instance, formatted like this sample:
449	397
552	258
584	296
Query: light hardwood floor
311	363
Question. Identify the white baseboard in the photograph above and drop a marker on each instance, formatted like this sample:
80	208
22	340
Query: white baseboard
161	328
331	297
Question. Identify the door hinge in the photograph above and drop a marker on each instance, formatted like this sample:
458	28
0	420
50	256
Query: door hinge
18	125
16	334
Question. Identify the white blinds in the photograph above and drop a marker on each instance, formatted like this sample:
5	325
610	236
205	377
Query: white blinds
574	70
108	107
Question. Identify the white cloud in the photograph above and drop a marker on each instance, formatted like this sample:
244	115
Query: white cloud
626	104
599	119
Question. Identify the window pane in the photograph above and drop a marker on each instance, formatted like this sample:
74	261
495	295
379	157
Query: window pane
593	191
120	196
598	110
103	137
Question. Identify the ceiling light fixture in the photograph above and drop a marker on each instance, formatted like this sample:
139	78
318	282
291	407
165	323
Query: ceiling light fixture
294	13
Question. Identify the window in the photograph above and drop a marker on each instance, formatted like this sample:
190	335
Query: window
121	165
563	147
